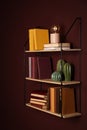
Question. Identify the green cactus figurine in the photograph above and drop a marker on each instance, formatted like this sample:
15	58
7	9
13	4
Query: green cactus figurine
60	65
67	72
57	76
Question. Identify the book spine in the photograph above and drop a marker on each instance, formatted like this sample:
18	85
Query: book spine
46	61
34	68
38	100
55	100
30	68
68	101
31	40
39	106
38	95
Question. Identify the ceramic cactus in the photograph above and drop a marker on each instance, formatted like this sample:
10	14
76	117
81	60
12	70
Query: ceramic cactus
57	76
67	72
60	65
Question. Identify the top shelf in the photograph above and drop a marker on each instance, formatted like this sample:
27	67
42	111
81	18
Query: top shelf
67	50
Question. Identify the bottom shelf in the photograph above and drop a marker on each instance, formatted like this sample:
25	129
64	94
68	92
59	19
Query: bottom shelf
76	114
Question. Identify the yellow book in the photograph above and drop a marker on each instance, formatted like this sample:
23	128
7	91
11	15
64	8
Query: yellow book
68	101
31	40
54	99
37	38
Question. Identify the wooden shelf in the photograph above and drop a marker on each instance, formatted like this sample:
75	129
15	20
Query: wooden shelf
64	96
27	51
54	82
76	114
28	104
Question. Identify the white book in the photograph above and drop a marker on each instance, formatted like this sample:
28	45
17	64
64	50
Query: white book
57	45
56	48
38	100
35	102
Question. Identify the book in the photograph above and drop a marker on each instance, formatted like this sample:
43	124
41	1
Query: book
44	67
39	93
57	45
29	64
34	67
36	102
33	70
31	40
39	106
38	99
56	48
55	101
37	38
68	101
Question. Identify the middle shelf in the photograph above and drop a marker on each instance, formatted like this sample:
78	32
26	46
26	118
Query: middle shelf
54	82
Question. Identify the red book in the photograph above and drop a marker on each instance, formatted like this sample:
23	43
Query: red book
34	68
44	67
39	93
39	106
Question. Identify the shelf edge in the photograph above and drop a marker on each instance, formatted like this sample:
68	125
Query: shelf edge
46	111
35	51
54	82
76	114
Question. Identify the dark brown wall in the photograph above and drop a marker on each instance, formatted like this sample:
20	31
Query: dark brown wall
16	18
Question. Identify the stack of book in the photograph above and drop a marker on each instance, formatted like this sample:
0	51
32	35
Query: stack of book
39	99
57	46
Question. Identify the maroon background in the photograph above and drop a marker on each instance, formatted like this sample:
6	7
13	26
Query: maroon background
16	18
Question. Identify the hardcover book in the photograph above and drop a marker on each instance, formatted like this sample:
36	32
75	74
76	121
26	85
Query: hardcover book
37	38
38	99
39	93
30	67
34	67
36	102
57	46
39	106
31	40
44	67
68	100
55	102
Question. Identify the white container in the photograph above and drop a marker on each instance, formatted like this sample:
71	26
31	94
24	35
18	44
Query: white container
54	37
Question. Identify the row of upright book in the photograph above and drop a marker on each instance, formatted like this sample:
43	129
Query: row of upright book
37	67
54	99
